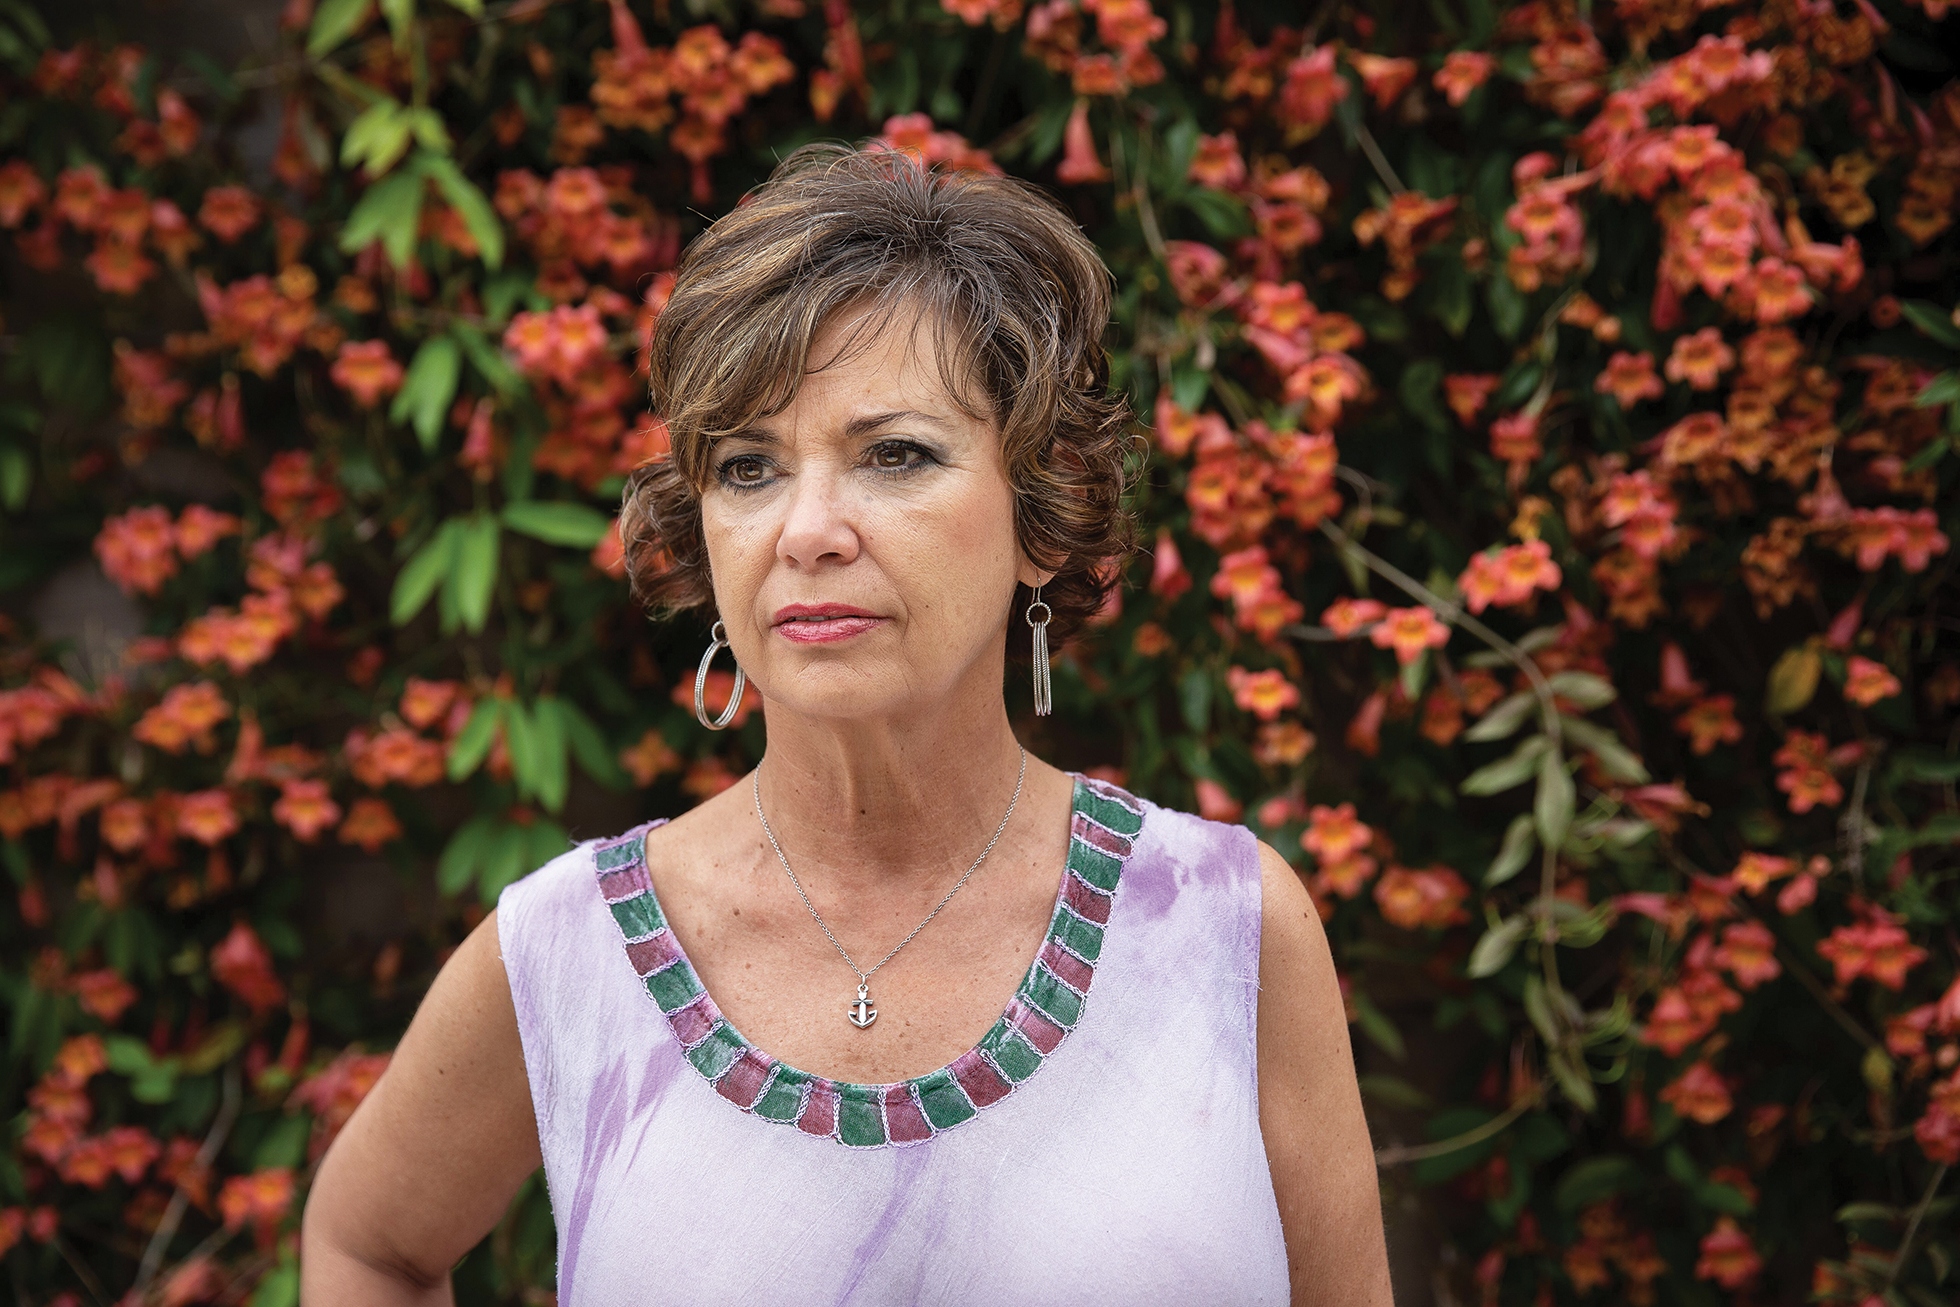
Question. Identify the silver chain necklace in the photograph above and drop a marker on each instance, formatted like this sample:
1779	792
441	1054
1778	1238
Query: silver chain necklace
862	1013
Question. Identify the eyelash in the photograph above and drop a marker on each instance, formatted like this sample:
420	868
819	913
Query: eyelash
904	470
725	473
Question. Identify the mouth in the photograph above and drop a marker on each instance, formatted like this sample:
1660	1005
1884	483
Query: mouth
823	623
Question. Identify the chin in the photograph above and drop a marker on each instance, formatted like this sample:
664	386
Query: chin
835	689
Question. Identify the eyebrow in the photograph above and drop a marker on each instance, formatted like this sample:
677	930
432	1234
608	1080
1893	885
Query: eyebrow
870	422
857	426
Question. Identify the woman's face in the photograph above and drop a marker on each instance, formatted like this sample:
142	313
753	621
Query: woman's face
862	540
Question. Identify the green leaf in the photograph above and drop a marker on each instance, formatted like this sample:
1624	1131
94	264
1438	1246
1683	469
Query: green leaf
1724	1198
1194	698
1943	389
1520	842
520	737
1514	769
377	139
589	746
1925	765
427	388
1507	306
1940	828
503	860
1573	1078
1392	1091
1538	1009
472	744
558	522
1504	719
426	570
16	477
280	1288
1793	679
284	1144
1554	804
492	366
30	23
504	292
1449	297
126	1054
1851	1212
546	840
1933	320
549	766
474	8
70	358
1594	1180
1412	676
1375	1024
1517	384
468	201
475	576
1583	688
333	22
216	1048
389	212
155	1084
151	1080
215	75
428	129
1620	762
1223	216
399	13
1420	390
1494	950
463	857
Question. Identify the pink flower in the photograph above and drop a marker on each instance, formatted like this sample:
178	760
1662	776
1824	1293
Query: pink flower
1079	163
367	371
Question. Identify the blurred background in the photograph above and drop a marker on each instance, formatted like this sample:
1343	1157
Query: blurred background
1546	498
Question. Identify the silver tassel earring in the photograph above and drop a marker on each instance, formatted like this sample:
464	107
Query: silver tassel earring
1043	691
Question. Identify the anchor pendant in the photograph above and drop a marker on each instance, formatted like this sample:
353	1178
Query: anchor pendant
861	1012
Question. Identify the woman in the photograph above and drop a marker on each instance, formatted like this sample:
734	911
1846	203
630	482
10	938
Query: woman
1107	1064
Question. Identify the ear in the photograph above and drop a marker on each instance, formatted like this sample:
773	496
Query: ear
1031	576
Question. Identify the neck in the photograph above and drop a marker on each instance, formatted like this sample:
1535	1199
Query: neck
875	800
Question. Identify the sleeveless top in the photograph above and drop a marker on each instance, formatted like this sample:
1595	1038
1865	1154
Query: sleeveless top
1100	1145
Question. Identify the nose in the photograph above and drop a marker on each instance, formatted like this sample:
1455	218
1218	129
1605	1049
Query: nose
819	528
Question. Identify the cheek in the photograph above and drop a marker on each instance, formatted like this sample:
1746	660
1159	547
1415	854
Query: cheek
957	555
738	549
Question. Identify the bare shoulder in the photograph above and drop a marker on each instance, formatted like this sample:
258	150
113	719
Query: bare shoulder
1290	930
430	1159
1317	1145
468	1013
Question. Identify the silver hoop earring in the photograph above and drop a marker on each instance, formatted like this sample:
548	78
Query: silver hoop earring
719	640
1043	690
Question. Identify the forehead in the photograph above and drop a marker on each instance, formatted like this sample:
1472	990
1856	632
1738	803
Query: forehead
874	350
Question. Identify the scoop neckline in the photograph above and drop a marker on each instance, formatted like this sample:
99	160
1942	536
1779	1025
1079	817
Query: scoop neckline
1104	822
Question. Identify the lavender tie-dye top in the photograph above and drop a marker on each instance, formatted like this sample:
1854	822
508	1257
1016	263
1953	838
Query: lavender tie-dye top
1100	1145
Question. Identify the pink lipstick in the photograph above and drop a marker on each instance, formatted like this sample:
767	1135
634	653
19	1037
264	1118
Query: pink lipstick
823	623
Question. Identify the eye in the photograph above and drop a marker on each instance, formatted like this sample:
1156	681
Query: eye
898	456
744	471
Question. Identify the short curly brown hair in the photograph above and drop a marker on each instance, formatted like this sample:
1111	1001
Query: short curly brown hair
1019	299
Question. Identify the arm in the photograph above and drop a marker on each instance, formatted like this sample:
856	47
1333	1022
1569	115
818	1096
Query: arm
1317	1143
427	1164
